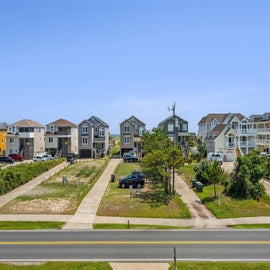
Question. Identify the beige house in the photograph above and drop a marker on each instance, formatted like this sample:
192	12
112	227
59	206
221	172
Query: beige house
94	137
61	138
261	123
229	134
25	137
131	131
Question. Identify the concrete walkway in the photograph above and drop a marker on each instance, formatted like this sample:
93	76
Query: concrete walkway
86	212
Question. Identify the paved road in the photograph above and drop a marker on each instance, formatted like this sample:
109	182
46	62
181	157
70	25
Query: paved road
143	246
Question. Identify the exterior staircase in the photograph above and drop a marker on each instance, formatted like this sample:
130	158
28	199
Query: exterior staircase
239	152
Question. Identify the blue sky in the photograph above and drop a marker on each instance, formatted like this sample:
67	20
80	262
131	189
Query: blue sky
117	58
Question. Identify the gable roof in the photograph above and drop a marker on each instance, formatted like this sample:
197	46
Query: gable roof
62	123
94	120
171	118
221	117
133	120
27	123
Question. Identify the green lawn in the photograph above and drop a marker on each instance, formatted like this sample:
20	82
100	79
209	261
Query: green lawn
221	266
30	225
152	203
59	266
113	226
228	207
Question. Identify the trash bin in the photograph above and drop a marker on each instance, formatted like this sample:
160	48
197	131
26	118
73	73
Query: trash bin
199	186
112	177
193	183
64	180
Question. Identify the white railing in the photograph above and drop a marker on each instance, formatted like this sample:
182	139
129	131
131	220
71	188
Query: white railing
247	143
263	141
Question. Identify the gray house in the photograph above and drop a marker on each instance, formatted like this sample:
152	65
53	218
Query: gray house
93	138
177	129
131	131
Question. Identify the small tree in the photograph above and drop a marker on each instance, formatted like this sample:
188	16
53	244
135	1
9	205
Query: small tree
160	157
249	170
210	172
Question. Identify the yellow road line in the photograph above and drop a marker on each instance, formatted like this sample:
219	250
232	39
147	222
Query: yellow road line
136	243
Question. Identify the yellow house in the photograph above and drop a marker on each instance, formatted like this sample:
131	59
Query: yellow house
3	132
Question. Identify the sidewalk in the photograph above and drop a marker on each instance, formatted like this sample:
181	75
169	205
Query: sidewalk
86	212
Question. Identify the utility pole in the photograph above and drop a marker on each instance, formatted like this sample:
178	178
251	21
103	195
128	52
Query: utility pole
174	144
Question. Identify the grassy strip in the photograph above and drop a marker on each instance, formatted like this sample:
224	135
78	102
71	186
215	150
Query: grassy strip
232	208
251	226
227	207
112	226
152	203
221	265
59	265
15	176
30	225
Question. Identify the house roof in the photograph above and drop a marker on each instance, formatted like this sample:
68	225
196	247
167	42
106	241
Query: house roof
27	123
219	116
97	121
134	120
62	123
213	134
3	126
171	118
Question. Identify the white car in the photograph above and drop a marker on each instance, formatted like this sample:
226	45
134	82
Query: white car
216	157
37	158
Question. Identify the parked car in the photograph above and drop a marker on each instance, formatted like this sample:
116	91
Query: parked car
71	157
38	158
16	157
47	157
127	157
6	160
216	157
134	180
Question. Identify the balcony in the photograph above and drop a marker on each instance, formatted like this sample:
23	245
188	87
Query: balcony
263	130
247	144
231	145
245	131
263	141
26	135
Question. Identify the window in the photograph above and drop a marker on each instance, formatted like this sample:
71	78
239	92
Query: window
11	140
84	128
84	141
170	127
51	128
126	128
50	139
126	140
101	132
